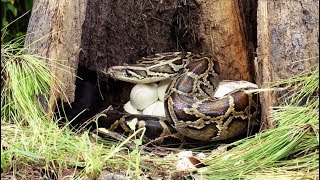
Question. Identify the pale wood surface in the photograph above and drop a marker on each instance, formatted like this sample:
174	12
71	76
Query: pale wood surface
223	33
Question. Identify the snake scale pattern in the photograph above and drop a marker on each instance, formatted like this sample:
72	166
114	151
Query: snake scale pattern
192	113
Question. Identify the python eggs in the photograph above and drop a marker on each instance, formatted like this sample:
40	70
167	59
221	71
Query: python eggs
155	109
130	109
227	86
148	99
162	88
143	95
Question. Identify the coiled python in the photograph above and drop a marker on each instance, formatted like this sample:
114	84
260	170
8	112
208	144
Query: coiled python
192	113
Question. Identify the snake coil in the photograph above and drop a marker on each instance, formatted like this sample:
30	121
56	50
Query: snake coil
192	112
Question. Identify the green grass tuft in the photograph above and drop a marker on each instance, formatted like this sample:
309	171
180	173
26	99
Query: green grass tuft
30	137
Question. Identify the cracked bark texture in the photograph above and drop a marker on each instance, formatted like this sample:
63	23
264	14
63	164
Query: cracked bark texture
288	35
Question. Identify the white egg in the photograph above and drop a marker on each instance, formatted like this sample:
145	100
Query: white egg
227	86
130	109
162	87
143	95
155	109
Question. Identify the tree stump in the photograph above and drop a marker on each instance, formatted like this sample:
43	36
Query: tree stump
99	34
288	32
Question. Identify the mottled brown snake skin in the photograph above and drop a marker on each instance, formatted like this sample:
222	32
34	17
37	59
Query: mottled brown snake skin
191	110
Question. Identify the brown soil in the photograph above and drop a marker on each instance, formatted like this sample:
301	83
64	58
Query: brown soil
124	32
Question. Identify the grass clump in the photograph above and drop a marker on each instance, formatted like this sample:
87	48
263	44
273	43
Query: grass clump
288	151
30	139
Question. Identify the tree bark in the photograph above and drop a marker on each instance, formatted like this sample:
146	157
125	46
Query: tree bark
223	33
288	32
54	32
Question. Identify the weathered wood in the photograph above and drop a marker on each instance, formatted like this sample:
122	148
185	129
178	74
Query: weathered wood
288	32
56	28
223	34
